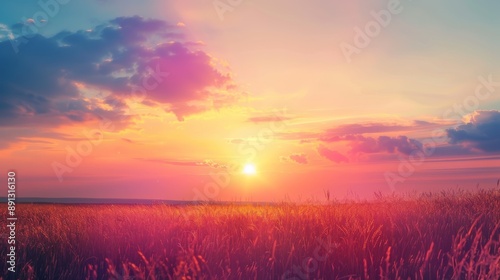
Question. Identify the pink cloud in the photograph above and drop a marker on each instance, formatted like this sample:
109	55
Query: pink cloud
297	158
332	155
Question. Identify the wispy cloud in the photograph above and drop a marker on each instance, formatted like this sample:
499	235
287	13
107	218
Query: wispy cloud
332	155
296	158
192	163
268	118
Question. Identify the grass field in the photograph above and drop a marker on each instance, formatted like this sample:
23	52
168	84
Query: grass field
432	237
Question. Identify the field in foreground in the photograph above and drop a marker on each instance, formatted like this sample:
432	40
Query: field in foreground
445	237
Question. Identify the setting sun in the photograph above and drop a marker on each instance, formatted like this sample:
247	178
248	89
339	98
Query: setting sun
249	169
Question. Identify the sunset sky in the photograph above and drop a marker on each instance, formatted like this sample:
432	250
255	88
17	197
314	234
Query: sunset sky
175	99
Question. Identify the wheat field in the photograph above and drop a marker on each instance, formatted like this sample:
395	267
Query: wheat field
446	236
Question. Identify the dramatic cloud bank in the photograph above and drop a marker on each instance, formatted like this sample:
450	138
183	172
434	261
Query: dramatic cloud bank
481	132
89	74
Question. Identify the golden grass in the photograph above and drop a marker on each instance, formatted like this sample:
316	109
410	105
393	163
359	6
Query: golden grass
444	237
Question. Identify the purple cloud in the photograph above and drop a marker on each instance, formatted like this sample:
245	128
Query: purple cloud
381	144
352	131
122	58
481	132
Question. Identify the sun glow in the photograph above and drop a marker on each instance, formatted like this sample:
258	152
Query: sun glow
249	169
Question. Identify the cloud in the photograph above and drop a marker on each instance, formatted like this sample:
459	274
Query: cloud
346	131
9	135
480	132
5	33
128	140
268	118
297	158
363	128
44	83
331	155
374	128
353	135
192	163
384	144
